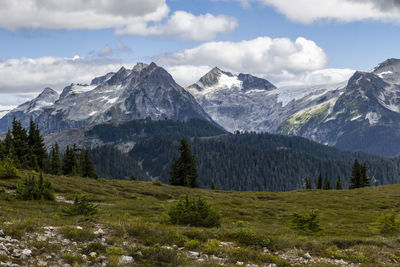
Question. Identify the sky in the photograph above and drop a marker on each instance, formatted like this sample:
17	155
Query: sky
53	43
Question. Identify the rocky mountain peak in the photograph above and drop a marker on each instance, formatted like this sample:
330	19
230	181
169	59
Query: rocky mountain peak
48	93
212	77
389	70
139	67
250	82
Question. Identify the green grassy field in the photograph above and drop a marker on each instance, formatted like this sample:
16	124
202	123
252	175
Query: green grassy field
255	227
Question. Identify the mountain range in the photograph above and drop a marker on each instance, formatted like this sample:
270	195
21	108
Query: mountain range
361	114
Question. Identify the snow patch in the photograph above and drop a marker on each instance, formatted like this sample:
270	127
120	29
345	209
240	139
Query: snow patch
373	118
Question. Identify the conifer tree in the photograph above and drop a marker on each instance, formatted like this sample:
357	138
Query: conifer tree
319	181
20	143
36	144
213	186
70	161
308	184
183	170
327	184
355	178
55	160
364	179
338	183
87	167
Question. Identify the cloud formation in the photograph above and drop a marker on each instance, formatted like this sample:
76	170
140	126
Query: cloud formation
309	11
282	61
31	75
131	17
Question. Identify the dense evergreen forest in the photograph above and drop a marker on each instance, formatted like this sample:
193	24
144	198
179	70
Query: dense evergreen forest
240	161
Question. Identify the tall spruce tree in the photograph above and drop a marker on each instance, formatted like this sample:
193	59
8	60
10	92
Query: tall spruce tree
36	145
20	144
70	161
55	160
319	181
327	184
355	178
183	170
308	184
339	183
87	167
364	179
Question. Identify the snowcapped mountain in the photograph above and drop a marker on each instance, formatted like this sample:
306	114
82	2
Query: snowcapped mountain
144	91
366	116
361	114
31	109
247	103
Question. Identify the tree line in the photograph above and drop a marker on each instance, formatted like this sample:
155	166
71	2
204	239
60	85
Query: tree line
26	150
358	179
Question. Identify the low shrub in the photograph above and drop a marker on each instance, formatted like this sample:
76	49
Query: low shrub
194	212
97	247
82	206
150	234
307	224
8	169
157	182
388	224
192	244
79	235
72	259
30	189
158	256
4	195
195	234
248	237
115	251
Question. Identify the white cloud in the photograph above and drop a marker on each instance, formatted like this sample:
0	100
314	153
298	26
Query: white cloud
135	17
31	75
105	51
263	55
308	11
281	60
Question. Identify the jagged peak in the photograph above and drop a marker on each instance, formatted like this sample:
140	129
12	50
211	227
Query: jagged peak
139	67
48	91
391	64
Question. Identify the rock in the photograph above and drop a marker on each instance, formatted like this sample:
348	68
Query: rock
125	259
65	242
239	263
93	254
194	254
99	232
307	256
41	263
2	233
26	253
79	228
272	265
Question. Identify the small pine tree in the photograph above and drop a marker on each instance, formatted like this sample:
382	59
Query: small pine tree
183	170
338	183
70	162
319	181
214	186
308	184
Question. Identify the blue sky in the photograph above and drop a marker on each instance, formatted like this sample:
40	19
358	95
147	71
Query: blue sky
323	42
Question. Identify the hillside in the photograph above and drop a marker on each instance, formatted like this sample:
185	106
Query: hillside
255	227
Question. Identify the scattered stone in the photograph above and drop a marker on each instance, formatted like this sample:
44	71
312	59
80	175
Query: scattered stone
307	256
79	228
239	263
2	233
125	259
26	253
99	232
93	254
42	263
194	254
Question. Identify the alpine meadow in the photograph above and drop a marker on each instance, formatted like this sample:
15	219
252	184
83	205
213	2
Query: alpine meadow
256	133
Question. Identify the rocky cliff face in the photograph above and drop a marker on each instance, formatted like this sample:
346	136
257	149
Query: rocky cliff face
144	91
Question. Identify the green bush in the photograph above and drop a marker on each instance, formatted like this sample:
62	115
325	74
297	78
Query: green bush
78	235
151	234
192	244
157	182
4	195
247	237
388	224
82	206
307	224
7	169
30	189
194	212
157	256
97	247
